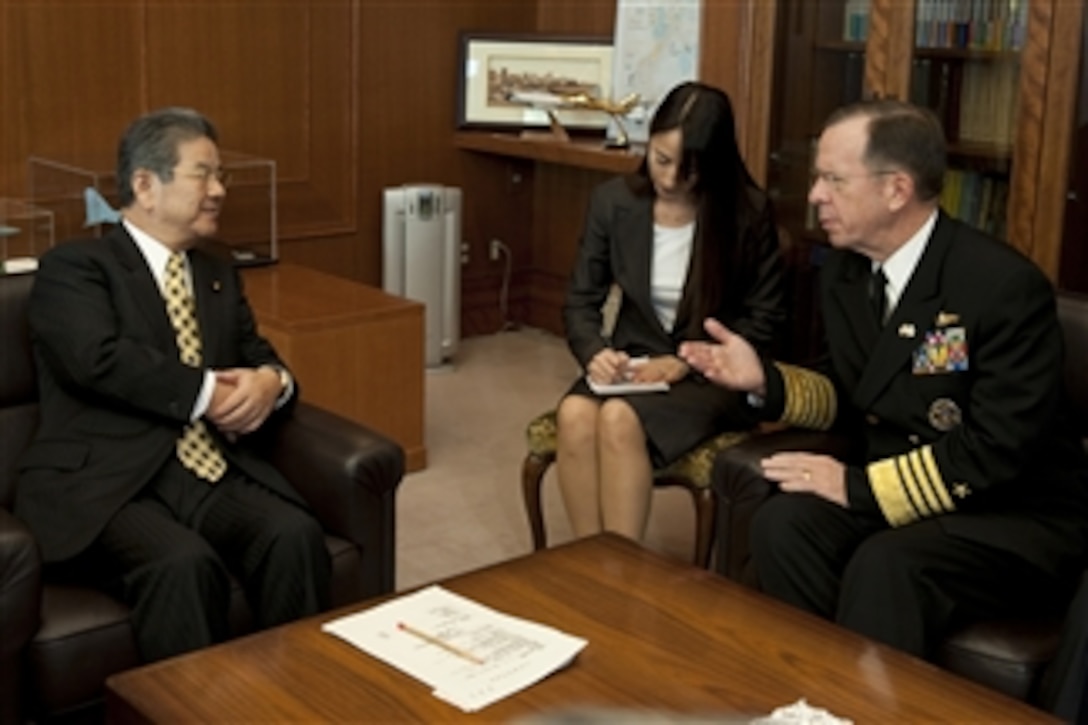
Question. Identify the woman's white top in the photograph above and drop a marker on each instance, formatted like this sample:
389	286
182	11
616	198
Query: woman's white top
669	269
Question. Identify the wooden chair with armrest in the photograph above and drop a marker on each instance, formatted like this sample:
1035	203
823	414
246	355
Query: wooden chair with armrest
1008	655
59	642
691	472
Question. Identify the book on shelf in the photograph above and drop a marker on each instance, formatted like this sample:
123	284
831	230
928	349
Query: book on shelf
977	198
988	101
920	91
855	22
974	24
853	77
945	87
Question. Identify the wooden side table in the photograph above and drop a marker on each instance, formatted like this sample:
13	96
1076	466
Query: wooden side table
354	349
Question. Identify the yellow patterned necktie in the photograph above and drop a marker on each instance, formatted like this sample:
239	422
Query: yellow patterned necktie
196	449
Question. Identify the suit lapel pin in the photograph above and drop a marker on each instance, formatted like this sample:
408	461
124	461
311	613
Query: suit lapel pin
944	319
907	330
216	286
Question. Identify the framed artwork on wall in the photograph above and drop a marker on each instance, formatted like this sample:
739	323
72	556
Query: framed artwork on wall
511	82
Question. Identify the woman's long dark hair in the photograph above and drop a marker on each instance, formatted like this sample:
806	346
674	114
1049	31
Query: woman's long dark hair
727	197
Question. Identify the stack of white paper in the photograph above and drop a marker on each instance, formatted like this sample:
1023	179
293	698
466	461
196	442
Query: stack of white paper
471	655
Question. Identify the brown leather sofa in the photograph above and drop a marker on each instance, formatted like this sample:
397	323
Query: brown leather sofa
58	643
1008	655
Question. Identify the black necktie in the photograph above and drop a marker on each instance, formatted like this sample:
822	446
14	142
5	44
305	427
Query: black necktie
877	294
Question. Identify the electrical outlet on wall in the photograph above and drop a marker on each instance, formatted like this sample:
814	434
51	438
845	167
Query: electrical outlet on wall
494	249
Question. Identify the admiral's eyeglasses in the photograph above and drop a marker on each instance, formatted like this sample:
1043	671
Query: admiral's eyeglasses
837	182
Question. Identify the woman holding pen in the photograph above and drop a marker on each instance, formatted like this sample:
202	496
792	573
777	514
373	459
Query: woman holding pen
688	236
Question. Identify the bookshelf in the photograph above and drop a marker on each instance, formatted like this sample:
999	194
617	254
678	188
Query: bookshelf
1001	74
966	67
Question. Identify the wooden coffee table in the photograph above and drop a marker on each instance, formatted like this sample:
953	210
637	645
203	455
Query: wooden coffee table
663	636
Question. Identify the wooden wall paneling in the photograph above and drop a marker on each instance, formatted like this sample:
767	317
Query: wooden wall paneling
562	197
279	80
737	54
407	102
585	17
335	254
67	93
9	128
759	58
497	204
1057	135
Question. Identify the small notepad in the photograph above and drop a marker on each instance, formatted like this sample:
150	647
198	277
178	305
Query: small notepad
626	388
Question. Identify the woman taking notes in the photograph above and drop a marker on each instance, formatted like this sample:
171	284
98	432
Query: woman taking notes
688	236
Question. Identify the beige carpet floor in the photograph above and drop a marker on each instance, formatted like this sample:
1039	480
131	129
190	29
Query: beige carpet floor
464	511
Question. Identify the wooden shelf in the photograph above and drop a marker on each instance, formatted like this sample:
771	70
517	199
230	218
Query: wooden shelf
840	46
580	153
1001	152
965	53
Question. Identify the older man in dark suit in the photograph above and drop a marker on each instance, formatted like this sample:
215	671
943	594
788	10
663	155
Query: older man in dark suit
154	385
971	498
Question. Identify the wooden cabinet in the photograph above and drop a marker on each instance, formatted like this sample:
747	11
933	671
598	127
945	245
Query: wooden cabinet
354	349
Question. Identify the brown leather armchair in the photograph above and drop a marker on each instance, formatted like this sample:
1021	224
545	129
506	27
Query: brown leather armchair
58	643
1008	655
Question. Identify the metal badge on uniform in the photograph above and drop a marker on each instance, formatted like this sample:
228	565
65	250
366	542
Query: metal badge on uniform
216	286
944	414
944	319
942	351
907	331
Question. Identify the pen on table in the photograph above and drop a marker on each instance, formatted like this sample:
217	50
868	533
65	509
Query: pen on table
431	639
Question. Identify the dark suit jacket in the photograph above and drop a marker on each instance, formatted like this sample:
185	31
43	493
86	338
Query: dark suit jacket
617	247
982	448
114	395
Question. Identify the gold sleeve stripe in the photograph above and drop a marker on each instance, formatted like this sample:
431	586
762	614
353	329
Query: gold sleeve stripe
915	492
939	485
924	481
889	493
909	487
810	398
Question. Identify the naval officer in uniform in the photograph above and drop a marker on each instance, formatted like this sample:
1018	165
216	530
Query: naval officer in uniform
944	359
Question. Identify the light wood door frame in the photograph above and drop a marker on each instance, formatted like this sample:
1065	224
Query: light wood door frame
1049	68
889	49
